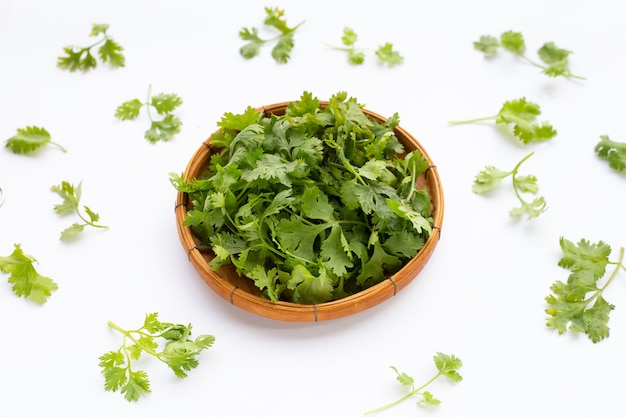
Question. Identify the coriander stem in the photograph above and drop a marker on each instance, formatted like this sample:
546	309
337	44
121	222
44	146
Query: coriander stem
404	398
619	265
479	119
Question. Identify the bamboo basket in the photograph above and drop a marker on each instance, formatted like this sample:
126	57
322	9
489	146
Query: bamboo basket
241	291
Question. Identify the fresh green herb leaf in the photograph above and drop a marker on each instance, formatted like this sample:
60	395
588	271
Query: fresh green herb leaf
491	177
521	115
385	53
25	280
81	58
578	305
283	42
164	104
312	205
71	204
614	152
169	343
554	59
447	366
30	139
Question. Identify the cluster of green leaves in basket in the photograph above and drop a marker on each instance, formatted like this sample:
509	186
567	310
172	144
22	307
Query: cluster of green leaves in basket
385	53
164	104
81	58
283	42
447	366
578	305
555	60
30	139
490	178
312	205
522	115
71	196
167	342
24	279
613	152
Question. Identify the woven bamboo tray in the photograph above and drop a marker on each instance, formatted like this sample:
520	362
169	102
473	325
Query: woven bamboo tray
241	291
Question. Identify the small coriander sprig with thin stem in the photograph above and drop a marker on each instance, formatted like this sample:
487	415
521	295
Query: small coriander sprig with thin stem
178	351
578	305
385	53
491	177
71	204
447	366
164	104
554	59
521	114
30	139
281	52
81	58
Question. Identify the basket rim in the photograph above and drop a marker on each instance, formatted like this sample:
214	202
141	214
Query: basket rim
294	312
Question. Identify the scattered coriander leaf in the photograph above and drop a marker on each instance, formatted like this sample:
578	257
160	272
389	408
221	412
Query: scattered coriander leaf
25	280
81	58
554	59
578	305
521	115
164	104
71	204
312	205
447	366
614	152
284	41
385	53
30	139
167	342
490	178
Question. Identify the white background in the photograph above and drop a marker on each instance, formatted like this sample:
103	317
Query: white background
481	297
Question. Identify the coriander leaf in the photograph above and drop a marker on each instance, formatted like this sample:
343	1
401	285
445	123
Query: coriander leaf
30	139
614	152
349	37
179	352
164	104
578	305
387	55
111	52
24	279
81	58
514	42
491	177
308	288
488	45
71	196
521	115
447	366
253	47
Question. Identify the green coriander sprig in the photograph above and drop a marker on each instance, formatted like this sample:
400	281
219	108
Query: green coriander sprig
447	366
385	53
71	204
284	41
578	305
521	115
81	58
613	152
30	139
554	59
164	104
24	279
178	351
491	177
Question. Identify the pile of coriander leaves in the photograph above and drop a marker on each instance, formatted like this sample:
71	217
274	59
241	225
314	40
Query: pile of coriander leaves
312	205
